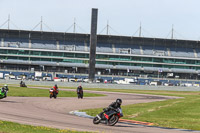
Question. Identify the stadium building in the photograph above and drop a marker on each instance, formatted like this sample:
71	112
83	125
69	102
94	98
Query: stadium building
115	55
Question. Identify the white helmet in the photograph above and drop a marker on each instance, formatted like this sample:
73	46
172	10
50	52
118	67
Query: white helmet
6	85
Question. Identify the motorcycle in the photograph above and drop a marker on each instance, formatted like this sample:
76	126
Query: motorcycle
3	94
80	94
23	85
109	117
52	93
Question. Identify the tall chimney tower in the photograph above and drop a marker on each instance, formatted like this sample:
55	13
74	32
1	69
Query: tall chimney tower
93	44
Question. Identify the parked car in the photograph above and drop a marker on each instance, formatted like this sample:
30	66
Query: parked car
155	83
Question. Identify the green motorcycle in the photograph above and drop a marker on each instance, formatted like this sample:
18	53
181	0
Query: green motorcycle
3	94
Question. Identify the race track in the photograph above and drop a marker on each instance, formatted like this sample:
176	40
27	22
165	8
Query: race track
55	112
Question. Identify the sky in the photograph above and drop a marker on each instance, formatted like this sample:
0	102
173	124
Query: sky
157	17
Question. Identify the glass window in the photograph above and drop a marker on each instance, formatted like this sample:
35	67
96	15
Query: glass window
125	58
190	61
57	60
12	57
3	57
45	59
35	53
168	60
125	64
146	59
147	65
157	65
12	51
136	58
180	61
102	57
57	54
182	67
44	53
3	51
34	59
23	52
80	56
101	62
157	60
197	62
68	55
23	58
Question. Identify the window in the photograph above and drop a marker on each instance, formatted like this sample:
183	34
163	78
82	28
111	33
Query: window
57	54
12	51
157	60
68	55
35	53
80	56
3	51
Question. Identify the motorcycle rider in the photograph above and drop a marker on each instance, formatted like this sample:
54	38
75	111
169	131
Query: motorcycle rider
5	89
22	84
56	88
79	91
116	104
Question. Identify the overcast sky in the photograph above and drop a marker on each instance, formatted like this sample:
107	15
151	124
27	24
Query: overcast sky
124	16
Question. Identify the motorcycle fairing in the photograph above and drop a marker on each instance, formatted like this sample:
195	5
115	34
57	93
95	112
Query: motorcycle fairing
107	117
109	113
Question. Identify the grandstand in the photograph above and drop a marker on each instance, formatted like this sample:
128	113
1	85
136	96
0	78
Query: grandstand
116	55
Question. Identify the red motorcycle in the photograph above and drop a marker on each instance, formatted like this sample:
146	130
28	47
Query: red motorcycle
52	93
109	117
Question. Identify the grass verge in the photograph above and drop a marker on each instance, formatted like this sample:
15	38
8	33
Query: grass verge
11	127
33	92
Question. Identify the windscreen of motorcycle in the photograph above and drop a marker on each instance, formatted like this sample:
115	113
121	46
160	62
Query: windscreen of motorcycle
120	110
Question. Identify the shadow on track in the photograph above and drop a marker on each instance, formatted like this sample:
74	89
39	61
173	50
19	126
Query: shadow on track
8	101
122	126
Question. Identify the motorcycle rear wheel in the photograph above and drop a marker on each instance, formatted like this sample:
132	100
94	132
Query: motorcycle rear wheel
96	120
113	120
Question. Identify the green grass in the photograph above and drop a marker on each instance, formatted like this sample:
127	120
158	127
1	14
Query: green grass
33	92
11	127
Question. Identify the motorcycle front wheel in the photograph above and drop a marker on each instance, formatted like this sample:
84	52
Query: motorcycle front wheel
96	120
113	120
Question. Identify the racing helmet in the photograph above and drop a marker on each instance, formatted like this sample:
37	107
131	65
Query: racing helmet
119	101
5	85
56	85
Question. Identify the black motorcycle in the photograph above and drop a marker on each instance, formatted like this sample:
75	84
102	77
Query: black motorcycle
80	94
109	117
22	84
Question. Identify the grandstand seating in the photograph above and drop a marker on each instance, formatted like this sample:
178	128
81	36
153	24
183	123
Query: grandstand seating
104	48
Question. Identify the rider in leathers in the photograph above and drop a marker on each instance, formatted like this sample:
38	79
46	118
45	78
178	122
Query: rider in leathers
5	89
79	91
55	88
116	104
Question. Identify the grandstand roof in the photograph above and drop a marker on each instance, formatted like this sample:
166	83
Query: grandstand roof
61	36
